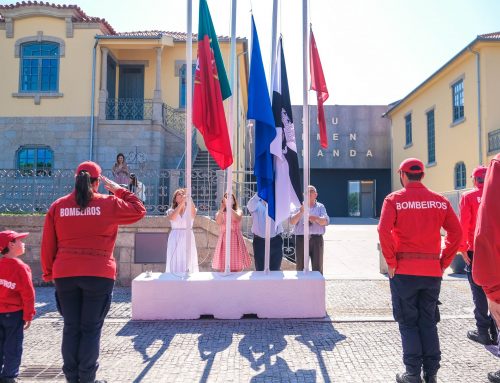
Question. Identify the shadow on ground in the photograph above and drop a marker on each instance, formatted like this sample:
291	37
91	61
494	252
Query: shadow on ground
260	343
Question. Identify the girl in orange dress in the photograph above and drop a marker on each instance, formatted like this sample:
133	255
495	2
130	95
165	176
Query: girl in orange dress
240	259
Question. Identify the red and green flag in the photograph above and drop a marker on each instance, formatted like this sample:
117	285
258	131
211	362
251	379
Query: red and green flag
211	87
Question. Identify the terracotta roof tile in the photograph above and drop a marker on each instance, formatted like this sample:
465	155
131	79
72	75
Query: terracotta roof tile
493	36
79	17
177	36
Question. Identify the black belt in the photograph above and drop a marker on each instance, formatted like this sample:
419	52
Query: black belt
256	236
310	235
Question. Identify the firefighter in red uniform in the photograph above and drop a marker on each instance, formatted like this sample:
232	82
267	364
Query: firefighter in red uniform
486	332
486	264
410	238
77	254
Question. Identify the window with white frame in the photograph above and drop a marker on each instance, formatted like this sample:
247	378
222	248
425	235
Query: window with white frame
431	138
458	100
408	130
460	176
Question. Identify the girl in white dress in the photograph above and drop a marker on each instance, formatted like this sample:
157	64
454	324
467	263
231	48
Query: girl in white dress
177	261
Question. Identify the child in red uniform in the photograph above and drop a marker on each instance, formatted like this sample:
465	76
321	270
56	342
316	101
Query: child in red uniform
17	303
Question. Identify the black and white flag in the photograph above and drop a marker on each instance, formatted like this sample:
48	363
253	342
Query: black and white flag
284	147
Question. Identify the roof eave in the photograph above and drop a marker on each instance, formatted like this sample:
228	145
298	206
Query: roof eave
469	46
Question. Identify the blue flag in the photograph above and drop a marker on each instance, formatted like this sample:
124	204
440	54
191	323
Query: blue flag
259	109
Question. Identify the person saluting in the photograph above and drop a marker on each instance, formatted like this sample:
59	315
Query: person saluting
78	240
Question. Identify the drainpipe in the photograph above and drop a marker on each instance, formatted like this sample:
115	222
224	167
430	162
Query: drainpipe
92	101
479	130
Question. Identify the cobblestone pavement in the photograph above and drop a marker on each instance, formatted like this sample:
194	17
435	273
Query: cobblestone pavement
345	300
357	343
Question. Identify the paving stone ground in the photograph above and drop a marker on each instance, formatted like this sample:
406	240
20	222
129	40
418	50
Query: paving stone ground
357	342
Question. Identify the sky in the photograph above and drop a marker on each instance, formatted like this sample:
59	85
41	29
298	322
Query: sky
373	52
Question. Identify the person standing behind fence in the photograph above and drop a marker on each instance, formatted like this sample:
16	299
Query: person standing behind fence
257	208
177	261
486	263
121	174
486	331
137	187
17	303
78	240
318	220
410	238
240	259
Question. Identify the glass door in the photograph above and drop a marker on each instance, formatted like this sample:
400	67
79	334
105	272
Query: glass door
354	196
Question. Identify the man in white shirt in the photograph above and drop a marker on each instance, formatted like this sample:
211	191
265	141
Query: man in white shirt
257	208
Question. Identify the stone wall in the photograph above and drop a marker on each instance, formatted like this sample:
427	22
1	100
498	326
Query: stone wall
205	229
155	146
68	137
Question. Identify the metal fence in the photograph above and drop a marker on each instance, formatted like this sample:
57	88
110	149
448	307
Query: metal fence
28	192
454	198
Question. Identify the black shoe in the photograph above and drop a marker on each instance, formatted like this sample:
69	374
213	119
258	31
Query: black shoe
9	380
430	378
408	378
494	377
483	339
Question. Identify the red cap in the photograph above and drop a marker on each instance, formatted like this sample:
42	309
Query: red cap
8	236
411	165
91	167
479	172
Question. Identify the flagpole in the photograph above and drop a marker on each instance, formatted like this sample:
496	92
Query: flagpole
189	127
305	114
267	242
229	210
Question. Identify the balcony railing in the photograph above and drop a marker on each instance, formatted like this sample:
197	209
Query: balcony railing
129	109
494	141
174	118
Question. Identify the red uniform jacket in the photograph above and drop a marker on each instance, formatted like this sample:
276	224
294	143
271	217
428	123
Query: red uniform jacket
16	289
469	205
78	243
486	263
409	231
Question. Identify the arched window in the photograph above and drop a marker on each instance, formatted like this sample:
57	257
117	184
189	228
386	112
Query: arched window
39	66
460	176
35	160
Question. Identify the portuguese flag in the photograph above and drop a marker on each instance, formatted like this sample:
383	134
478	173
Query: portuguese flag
211	87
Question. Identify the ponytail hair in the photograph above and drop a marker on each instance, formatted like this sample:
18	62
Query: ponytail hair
83	189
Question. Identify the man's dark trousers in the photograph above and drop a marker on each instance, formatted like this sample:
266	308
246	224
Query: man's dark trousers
484	322
316	245
11	343
275	252
415	308
83	302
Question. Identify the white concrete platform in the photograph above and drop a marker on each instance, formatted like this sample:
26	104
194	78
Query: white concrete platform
279	294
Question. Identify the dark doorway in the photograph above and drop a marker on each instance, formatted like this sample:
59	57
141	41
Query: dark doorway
131	92
111	87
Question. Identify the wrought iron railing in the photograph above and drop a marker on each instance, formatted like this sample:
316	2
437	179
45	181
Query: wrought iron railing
22	193
129	109
174	118
494	141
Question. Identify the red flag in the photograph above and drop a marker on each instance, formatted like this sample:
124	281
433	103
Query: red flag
318	84
208	110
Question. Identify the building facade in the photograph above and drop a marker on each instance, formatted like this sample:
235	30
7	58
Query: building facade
352	174
72	89
452	121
